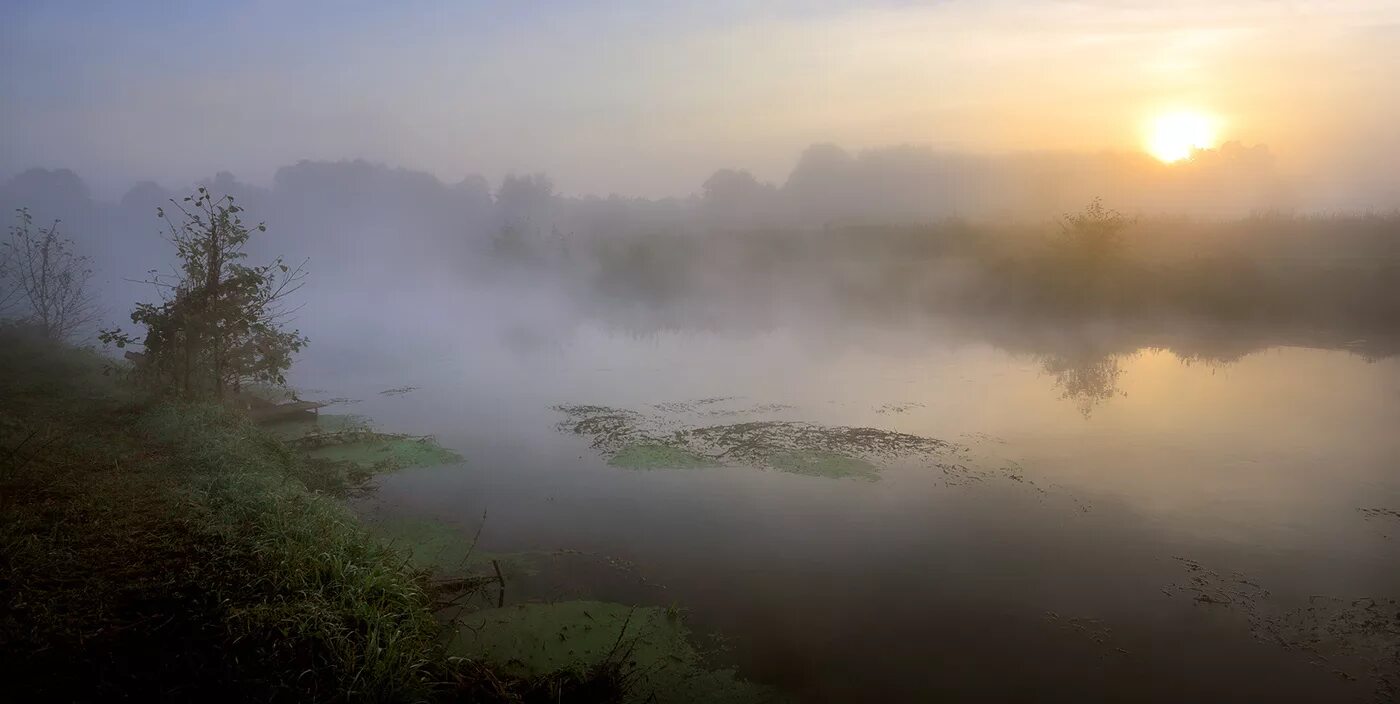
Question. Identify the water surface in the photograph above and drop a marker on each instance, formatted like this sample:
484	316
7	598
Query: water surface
1133	522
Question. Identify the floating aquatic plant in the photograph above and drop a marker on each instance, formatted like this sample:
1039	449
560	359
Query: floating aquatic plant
648	455
649	646
351	439
642	441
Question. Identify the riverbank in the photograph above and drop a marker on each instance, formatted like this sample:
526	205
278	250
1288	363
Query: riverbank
152	549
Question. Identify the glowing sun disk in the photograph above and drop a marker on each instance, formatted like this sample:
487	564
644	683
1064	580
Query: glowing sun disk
1175	135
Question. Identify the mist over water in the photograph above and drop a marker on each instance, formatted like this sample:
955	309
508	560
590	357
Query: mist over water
1154	467
1012	411
1046	559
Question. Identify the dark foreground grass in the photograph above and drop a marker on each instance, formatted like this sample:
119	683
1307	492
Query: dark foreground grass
153	550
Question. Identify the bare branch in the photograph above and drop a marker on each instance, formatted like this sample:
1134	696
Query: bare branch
50	279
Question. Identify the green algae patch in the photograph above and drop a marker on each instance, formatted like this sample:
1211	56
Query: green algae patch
647	455
817	463
637	440
540	638
351	440
446	548
610	429
428	544
377	452
651	644
297	427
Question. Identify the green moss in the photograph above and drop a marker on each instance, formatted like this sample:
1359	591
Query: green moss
531	639
819	463
645	455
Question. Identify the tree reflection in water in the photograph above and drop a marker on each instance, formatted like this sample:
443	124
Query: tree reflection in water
1087	380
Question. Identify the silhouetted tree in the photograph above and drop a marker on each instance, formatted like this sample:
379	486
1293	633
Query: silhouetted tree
219	324
45	279
1088	269
736	197
525	202
1094	234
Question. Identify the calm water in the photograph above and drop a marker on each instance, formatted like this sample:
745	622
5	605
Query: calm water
1100	481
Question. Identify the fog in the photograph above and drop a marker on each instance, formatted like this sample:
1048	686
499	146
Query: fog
736	244
648	101
860	351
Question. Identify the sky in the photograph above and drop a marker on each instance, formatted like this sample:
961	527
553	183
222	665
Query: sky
648	99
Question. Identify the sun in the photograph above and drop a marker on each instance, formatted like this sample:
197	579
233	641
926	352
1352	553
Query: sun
1174	136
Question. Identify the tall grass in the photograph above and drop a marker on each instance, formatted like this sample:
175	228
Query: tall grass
314	590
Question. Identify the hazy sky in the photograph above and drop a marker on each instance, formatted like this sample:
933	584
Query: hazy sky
648	98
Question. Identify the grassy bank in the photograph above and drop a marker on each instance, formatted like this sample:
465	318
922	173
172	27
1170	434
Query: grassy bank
152	549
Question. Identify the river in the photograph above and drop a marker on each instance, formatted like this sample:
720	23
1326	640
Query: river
1108	519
